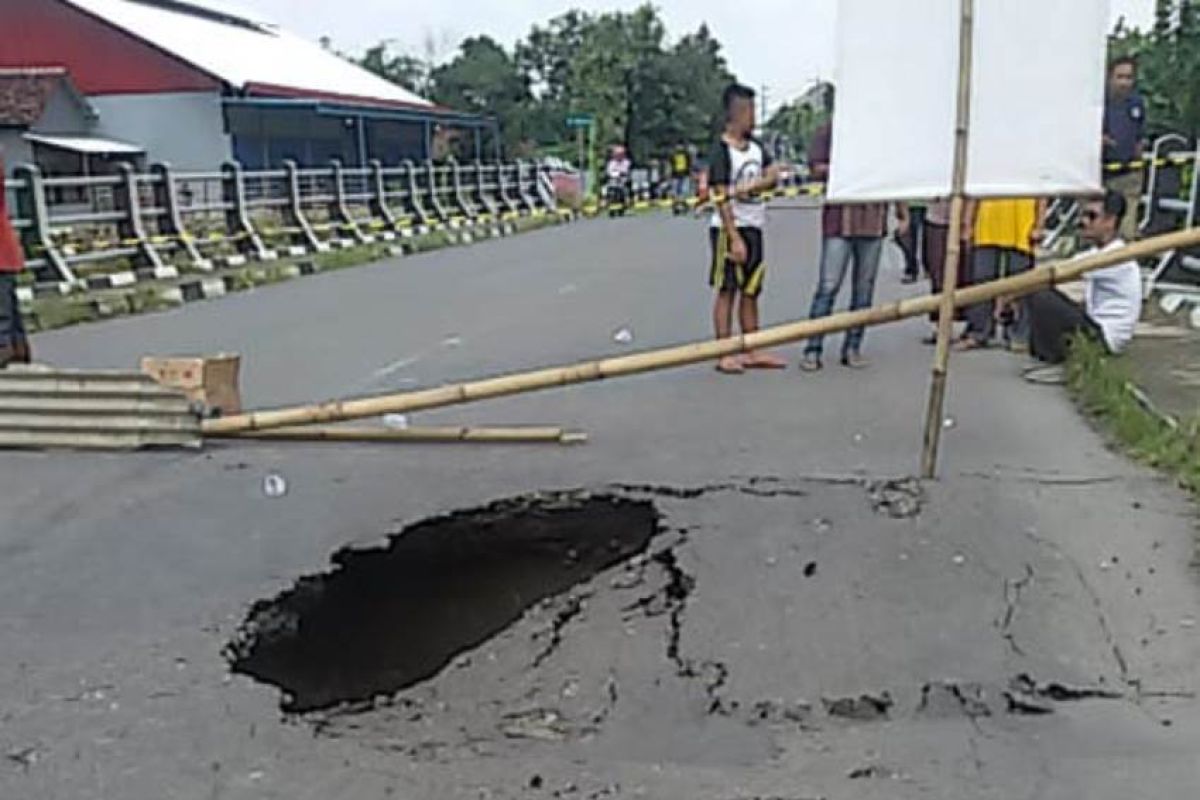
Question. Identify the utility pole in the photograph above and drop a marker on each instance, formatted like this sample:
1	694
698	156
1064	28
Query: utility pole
763	117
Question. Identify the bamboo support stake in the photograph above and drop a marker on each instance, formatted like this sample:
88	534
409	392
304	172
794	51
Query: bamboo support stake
435	435
684	355
945	328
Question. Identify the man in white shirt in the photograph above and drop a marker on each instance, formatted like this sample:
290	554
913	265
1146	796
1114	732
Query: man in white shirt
1112	296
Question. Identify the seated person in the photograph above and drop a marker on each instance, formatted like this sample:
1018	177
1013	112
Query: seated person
1112	297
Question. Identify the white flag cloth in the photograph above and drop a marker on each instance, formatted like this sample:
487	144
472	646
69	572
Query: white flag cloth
1037	98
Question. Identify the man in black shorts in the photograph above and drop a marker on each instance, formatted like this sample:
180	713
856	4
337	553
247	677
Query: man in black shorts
740	169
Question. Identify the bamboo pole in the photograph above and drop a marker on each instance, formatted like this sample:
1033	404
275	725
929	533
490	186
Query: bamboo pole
684	355
945	328
434	435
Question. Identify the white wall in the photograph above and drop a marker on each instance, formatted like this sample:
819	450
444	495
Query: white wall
63	114
15	149
186	130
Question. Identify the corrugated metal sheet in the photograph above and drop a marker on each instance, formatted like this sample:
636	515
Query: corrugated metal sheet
42	408
86	144
248	52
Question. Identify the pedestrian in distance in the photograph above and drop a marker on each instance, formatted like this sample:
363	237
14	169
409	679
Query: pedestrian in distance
681	177
740	170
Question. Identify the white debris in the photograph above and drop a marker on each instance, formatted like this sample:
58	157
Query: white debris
274	485
395	422
623	336
959	559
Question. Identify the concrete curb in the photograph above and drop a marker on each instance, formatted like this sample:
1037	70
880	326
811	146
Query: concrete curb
144	291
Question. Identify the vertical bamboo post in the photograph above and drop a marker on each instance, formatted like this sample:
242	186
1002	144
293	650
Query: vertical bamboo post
941	361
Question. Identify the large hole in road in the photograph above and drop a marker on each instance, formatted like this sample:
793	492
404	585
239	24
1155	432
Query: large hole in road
386	619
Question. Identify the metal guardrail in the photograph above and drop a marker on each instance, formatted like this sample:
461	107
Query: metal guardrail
161	221
1170	202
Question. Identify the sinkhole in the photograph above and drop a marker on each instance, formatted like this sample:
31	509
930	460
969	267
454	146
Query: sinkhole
386	619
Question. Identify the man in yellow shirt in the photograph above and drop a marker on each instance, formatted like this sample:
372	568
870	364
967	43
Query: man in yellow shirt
1005	233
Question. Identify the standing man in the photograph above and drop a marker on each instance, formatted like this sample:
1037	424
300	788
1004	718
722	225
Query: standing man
1006	235
739	170
14	346
1124	134
849	233
1112	296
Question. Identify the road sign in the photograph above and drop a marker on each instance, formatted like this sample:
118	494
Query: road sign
580	121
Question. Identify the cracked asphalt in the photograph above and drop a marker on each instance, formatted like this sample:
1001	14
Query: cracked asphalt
806	623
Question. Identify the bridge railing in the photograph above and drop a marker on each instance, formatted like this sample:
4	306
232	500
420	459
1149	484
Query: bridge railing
110	230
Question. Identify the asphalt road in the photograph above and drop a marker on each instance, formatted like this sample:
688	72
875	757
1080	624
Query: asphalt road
793	631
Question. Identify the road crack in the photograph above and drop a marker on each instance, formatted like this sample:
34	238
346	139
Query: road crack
1013	592
572	607
1102	620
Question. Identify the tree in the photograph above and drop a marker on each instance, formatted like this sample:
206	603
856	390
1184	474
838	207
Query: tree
483	79
618	67
697	75
798	121
402	69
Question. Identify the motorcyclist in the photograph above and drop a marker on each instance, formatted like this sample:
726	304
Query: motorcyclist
617	174
619	166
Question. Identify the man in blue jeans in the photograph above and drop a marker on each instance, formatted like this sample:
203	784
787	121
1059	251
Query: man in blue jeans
850	233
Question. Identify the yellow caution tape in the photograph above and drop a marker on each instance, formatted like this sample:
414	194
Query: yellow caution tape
1142	163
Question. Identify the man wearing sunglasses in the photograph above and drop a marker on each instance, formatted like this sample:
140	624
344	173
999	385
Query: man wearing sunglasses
1112	296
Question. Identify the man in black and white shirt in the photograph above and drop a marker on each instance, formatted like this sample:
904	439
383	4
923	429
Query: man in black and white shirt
740	169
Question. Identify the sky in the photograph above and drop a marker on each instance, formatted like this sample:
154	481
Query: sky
783	45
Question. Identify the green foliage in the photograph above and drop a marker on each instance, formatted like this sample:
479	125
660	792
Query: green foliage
618	66
1101	385
798	122
483	79
1168	65
402	69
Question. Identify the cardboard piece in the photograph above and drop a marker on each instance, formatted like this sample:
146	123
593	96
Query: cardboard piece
212	381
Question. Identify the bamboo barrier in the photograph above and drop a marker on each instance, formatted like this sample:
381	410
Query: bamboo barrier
934	413
434	435
684	355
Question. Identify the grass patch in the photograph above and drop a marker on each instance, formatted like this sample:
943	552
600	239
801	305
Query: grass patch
52	313
1102	386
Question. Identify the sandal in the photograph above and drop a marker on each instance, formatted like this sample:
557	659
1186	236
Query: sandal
763	361
730	365
967	344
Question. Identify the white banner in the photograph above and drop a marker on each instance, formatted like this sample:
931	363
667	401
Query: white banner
1037	98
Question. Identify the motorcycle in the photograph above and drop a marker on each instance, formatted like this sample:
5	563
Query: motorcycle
616	197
